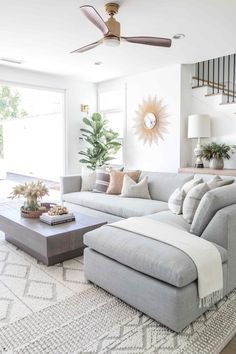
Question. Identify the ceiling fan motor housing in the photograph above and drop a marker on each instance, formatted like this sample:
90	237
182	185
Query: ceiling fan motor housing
112	8
114	27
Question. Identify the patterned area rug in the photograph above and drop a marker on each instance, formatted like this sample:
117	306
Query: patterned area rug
55	310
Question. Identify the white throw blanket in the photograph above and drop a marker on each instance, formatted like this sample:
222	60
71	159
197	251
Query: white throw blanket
203	253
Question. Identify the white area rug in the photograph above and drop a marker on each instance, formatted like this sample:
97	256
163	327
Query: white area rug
54	310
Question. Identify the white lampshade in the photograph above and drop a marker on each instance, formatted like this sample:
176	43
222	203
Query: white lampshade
199	126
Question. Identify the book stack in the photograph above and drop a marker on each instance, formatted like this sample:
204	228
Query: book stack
56	219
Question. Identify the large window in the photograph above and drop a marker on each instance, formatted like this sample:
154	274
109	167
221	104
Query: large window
112	107
32	131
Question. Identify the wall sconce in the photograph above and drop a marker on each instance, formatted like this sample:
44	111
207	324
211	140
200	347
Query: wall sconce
84	108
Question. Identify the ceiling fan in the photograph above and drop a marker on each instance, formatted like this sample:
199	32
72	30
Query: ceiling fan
111	30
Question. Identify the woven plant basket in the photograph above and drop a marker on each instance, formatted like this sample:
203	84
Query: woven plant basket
36	213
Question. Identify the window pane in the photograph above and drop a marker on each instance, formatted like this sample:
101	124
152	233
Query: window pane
111	100
116	122
118	157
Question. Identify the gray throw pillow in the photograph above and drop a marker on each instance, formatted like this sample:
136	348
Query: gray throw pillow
102	180
131	189
175	202
212	201
192	201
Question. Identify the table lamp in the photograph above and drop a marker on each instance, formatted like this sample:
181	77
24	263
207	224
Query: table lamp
199	126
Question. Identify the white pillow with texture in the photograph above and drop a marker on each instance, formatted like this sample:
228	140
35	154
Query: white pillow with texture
131	189
88	181
217	182
191	184
175	202
192	201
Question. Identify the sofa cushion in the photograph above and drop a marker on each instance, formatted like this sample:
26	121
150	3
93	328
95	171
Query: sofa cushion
212	201
116	205
162	184
151	257
169	218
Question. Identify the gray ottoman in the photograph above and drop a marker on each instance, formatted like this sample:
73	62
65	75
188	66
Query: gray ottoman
153	277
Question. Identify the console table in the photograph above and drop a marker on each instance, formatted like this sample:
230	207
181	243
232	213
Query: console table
208	171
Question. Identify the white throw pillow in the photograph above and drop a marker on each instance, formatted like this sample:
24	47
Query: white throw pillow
88	181
175	202
191	184
217	181
131	189
192	201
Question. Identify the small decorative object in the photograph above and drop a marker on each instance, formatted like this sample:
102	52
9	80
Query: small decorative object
102	140
32	192
199	126
58	210
150	121
216	153
58	214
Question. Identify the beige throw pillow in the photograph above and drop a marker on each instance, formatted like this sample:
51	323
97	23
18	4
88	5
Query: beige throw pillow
192	201
131	189
116	180
175	202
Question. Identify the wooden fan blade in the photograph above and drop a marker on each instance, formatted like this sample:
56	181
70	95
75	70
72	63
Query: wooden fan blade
155	41
91	13
88	47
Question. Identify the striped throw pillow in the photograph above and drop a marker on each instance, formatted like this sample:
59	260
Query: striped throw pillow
102	180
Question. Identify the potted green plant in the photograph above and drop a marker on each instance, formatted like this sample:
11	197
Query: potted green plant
32	192
216	153
102	142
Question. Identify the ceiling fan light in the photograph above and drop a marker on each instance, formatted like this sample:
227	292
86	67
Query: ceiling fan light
112	41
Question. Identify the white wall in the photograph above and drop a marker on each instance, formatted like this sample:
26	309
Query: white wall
77	92
165	83
223	118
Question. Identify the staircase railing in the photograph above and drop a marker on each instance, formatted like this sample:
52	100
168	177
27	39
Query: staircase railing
219	75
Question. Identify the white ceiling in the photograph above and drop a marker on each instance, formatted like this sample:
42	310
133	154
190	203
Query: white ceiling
43	32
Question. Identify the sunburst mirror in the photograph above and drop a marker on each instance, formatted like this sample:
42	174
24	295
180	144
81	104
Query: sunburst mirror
150	120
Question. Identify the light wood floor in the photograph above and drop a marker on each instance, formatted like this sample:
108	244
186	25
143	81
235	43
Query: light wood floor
231	347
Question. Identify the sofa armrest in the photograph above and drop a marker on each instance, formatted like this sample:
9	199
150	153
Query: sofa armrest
222	230
70	184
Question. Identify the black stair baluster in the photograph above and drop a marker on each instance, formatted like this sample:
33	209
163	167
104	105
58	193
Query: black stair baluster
208	72
223	75
234	77
218	79
228	78
213	76
203	73
198	74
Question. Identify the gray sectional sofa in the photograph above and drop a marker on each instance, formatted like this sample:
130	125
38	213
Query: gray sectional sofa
156	278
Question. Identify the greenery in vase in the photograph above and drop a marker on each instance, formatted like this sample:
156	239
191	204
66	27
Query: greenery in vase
103	142
32	192
217	151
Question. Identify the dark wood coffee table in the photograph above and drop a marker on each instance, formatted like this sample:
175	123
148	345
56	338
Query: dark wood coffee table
49	244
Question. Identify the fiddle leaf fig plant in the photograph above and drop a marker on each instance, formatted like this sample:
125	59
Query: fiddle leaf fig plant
102	142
